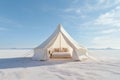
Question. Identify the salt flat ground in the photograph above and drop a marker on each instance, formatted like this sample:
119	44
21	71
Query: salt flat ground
18	65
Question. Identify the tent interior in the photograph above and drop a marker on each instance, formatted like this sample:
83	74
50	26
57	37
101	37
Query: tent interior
60	48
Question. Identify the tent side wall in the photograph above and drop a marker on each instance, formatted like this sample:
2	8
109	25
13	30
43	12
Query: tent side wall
75	55
77	50
38	54
42	53
45	43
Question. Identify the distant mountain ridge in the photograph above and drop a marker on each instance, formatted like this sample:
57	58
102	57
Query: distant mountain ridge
102	48
87	48
16	48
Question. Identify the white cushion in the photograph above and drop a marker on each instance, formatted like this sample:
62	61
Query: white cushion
61	54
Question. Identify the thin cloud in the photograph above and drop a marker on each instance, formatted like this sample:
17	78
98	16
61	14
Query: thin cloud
89	6
106	29
75	1
85	11
109	31
106	41
5	22
73	10
102	4
111	18
3	29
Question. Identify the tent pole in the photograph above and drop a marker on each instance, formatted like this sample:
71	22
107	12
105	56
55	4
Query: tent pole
60	41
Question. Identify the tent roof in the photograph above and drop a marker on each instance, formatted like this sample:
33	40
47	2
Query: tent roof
59	29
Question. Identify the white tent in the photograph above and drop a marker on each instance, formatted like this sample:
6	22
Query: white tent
63	43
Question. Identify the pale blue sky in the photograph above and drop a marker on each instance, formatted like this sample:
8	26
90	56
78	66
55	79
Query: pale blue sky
27	23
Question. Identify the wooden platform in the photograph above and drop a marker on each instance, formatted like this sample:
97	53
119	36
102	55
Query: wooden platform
60	57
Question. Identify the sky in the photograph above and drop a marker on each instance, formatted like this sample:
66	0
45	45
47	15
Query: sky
27	23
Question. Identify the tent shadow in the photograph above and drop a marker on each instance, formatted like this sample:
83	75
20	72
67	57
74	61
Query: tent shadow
25	62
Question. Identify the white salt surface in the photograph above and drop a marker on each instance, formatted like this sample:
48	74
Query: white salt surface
18	65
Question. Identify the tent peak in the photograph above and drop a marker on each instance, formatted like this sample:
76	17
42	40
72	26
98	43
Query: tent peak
59	26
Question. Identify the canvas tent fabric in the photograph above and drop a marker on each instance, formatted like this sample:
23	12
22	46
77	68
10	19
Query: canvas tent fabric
59	39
